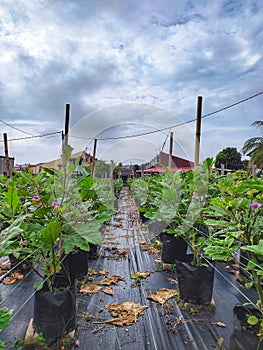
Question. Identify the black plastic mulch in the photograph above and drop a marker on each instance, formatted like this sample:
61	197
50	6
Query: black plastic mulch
172	326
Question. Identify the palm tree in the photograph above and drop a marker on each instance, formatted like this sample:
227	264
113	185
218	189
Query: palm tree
254	147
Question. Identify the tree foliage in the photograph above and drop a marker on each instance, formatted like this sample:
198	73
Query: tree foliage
230	157
254	147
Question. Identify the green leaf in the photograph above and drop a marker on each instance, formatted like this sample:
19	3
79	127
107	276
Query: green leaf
249	285
257	248
50	233
217	223
80	235
38	285
252	320
5	317
67	152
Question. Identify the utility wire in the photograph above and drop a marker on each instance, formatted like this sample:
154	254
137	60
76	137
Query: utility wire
34	136
173	126
134	135
14	127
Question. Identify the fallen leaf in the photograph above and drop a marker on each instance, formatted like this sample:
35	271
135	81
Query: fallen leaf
143	242
17	275
126	313
90	288
221	324
108	290
9	280
137	275
112	280
158	260
153	250
162	295
92	272
172	281
121	251
103	272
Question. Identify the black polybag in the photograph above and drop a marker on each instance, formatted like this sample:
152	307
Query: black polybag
173	248
55	312
195	283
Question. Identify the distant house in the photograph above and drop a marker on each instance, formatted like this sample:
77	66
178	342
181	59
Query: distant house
159	164
3	164
81	158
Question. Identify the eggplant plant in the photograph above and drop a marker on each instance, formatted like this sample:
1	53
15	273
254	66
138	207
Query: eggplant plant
54	219
235	218
188	221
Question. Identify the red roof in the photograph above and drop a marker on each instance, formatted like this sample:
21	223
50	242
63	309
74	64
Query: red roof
163	170
177	162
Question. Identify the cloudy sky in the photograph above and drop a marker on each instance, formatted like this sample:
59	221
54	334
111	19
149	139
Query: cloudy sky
127	68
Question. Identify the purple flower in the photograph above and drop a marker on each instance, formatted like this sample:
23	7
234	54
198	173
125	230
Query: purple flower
55	204
77	343
36	199
22	243
255	205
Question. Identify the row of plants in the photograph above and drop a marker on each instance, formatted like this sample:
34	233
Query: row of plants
220	218
49	221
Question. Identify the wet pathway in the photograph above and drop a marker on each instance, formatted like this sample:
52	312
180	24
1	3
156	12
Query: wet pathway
161	327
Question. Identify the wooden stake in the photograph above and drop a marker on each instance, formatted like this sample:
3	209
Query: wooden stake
93	159
111	176
198	130
8	173
142	170
171	150
65	136
222	172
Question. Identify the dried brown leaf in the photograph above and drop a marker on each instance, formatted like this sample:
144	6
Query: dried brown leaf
125	313
140	275
121	251
90	288
17	275
153	250
9	280
143	242
112	280
162	295
221	324
108	290
172	280
103	272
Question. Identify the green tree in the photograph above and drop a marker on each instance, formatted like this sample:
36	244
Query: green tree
230	157
254	147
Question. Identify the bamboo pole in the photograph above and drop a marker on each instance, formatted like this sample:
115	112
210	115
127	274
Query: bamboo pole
198	130
8	173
